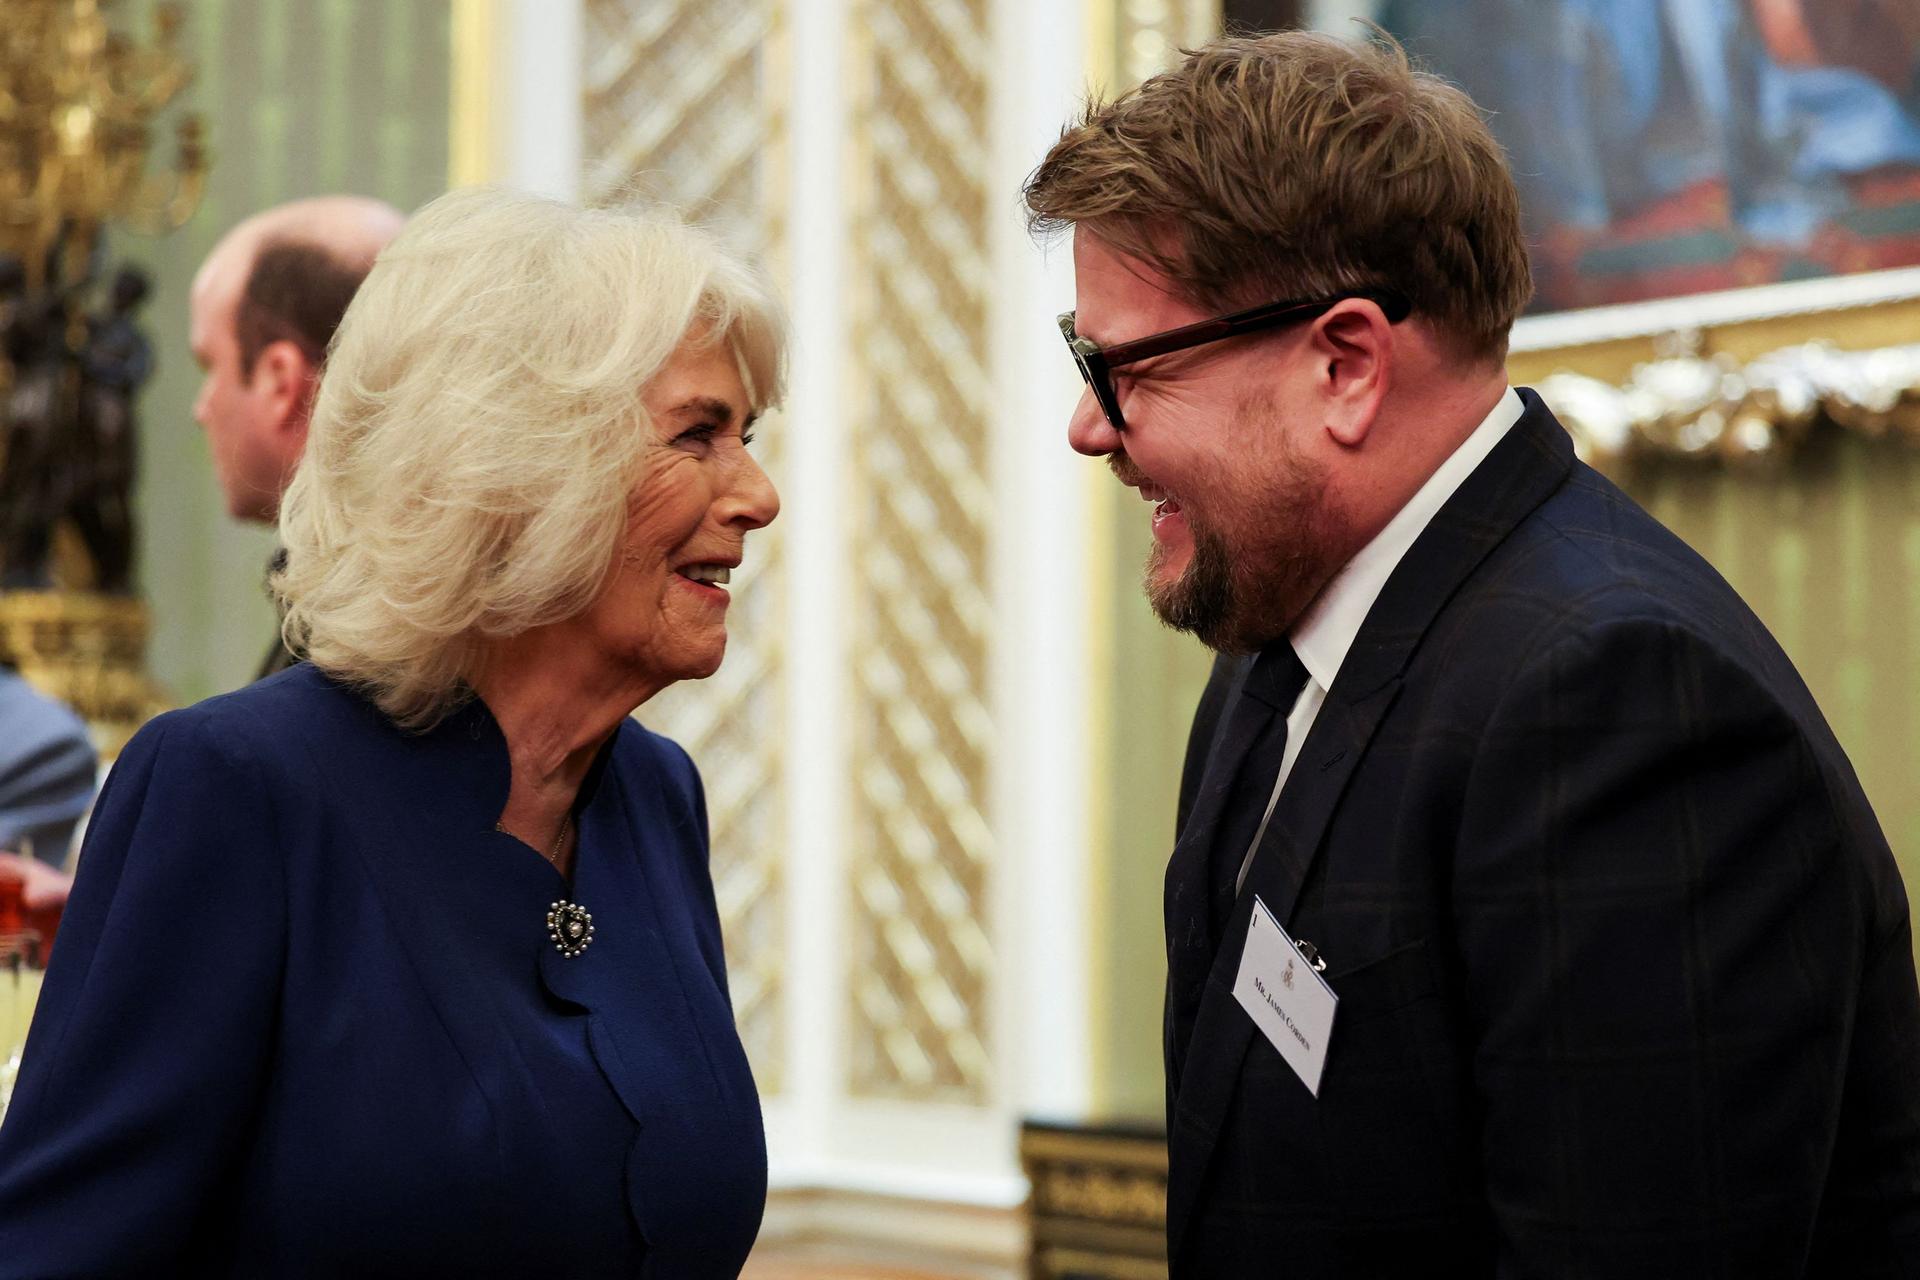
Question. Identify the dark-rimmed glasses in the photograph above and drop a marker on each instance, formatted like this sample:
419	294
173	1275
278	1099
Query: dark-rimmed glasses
1097	363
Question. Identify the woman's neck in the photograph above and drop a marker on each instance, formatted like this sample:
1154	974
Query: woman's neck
556	703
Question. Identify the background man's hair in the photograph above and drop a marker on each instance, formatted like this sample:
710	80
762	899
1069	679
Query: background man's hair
1296	165
296	292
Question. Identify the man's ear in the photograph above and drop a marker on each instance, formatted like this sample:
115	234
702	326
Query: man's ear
1353	348
283	377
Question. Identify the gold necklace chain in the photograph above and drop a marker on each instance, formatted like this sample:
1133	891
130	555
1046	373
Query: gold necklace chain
566	823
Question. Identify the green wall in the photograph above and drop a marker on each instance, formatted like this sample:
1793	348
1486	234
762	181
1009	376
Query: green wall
1825	548
299	97
1827	551
1157	679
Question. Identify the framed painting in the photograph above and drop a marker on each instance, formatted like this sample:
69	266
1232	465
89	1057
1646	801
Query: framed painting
1671	147
1707	181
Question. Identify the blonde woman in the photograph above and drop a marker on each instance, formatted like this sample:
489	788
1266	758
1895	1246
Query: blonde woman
406	960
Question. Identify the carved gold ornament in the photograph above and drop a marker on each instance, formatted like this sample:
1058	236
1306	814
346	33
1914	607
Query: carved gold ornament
1716	408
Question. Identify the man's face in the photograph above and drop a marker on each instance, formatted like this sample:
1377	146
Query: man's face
241	417
1245	527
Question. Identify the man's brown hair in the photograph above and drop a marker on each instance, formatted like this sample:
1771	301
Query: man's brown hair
1295	165
296	292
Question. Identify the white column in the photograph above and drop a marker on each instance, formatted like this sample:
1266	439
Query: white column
801	1124
516	94
1044	576
1040	909
542	75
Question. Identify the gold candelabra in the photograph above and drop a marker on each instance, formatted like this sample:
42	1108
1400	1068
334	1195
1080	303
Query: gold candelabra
79	105
78	101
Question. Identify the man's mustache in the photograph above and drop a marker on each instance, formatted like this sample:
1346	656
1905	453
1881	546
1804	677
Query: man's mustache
1125	471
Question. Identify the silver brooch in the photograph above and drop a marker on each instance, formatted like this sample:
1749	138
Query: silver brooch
570	926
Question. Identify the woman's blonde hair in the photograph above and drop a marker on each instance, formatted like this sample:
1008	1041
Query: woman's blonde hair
478	428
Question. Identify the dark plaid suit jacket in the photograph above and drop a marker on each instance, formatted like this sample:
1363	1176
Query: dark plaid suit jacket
1625	980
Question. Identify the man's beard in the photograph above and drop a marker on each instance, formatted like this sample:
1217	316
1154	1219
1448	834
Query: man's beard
1240	593
1201	600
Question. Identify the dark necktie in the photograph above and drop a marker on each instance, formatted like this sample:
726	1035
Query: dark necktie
1272	687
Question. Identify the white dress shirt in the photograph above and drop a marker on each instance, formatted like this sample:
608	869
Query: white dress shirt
1327	629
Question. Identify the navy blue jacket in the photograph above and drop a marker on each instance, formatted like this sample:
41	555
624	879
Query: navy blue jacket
1626	985
304	1019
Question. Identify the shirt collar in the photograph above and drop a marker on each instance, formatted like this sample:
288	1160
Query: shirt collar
1327	630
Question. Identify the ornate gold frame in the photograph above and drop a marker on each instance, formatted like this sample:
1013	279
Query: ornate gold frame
1862	327
1735	376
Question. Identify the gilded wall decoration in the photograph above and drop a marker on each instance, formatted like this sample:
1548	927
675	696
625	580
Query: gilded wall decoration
85	98
1098	1210
1146	36
921	842
678	108
1689	404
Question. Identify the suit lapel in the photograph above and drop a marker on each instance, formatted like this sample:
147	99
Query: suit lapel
1225	681
1523	469
1186	891
1333	748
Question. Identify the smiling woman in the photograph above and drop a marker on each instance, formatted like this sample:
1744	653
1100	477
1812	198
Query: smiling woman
421	931
503	390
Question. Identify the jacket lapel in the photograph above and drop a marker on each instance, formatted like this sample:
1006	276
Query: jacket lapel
1522	471
1186	900
1221	1029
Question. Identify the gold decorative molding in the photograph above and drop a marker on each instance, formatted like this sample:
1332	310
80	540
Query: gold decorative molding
87	650
680	104
1590	343
921	842
1098	1206
1714	408
1734	377
1117	1180
1133	39
1125	1197
473	126
83	99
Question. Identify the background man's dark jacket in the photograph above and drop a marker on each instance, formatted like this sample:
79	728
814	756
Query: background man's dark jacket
1626	986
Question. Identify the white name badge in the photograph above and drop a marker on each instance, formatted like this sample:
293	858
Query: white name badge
1290	1003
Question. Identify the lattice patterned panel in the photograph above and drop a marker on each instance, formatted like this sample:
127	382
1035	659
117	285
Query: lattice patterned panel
680	107
677	104
921	841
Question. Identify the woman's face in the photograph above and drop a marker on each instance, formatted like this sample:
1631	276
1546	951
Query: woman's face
687	521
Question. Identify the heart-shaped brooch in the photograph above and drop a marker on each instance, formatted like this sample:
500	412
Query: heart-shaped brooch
570	926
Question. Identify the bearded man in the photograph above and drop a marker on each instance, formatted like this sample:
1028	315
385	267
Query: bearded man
1524	916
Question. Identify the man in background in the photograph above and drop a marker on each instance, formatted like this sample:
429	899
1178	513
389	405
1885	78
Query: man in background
1524	917
263	309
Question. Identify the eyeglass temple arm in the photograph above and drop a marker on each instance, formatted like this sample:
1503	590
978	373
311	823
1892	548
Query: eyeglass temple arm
1394	306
